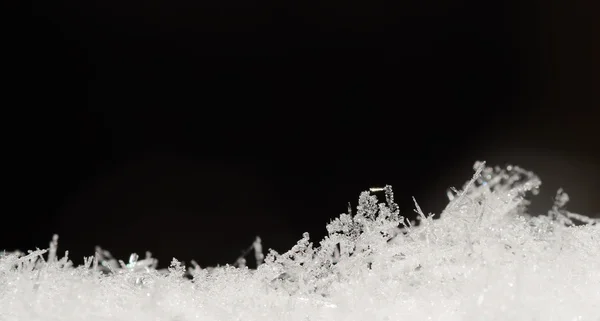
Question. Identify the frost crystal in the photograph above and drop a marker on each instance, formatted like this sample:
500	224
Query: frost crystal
483	258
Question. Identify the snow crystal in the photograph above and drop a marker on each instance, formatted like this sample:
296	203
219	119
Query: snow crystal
483	258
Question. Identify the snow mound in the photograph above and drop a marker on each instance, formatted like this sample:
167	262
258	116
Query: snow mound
483	258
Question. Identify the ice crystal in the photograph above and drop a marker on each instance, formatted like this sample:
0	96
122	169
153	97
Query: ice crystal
482	258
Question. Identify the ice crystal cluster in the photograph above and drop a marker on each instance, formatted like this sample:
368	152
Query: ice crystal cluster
482	258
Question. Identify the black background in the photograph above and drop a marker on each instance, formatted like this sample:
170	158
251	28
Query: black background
188	127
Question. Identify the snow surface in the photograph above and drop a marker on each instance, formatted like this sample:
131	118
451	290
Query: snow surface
483	258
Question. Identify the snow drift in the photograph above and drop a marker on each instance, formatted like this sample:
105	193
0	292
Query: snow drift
482	258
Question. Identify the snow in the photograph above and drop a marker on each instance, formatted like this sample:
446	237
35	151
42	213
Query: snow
482	258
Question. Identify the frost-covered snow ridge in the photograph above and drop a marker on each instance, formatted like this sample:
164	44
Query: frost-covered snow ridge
483	258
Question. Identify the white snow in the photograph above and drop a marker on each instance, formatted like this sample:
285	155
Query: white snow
482	258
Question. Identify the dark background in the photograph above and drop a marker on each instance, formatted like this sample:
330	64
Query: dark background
188	127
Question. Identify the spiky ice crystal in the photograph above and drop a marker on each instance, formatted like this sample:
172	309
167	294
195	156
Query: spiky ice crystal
484	258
